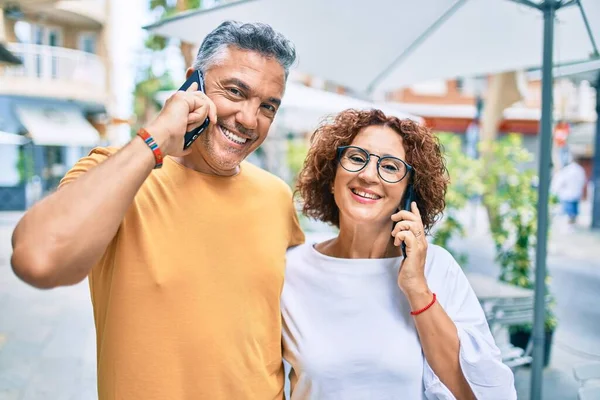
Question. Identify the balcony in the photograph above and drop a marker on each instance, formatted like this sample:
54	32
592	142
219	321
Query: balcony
85	13
88	14
20	3
55	72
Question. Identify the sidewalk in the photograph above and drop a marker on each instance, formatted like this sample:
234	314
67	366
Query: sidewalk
47	338
578	242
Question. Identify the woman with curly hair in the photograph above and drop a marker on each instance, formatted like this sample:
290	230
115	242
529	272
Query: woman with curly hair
377	312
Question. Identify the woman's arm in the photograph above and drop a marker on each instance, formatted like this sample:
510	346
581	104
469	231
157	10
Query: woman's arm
456	340
439	339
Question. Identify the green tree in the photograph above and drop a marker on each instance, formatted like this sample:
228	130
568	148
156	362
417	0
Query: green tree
297	149
145	105
465	183
148	83
511	194
25	165
165	9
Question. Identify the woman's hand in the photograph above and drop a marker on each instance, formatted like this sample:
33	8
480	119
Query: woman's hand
409	229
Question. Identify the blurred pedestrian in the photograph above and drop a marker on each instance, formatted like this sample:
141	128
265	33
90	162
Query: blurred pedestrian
569	184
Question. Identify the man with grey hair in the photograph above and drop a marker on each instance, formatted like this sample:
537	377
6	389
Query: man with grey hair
184	250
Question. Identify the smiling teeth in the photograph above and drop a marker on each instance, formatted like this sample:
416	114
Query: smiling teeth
233	137
365	195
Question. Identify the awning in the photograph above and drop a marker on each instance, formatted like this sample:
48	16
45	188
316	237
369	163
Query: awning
57	125
7	57
7	138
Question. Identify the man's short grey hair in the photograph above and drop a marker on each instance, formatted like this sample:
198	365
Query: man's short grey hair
257	37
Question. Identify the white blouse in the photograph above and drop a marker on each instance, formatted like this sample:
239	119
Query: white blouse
348	333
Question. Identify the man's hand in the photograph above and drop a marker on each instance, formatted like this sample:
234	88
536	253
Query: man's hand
183	111
62	237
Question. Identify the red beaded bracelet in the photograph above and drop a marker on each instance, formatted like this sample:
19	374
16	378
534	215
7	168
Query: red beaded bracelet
424	308
147	137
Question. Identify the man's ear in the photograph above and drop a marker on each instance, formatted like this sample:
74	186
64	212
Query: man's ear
189	72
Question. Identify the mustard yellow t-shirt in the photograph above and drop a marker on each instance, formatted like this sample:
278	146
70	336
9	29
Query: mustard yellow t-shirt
186	297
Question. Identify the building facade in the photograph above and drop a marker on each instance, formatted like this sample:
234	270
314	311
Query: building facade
57	98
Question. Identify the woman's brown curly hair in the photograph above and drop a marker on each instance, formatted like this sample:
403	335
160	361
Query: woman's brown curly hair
423	153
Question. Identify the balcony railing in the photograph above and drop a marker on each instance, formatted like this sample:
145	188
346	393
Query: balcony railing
58	64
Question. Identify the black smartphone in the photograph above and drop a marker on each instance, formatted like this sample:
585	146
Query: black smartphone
409	197
194	133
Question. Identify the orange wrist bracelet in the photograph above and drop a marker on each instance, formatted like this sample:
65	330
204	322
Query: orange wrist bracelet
417	312
147	137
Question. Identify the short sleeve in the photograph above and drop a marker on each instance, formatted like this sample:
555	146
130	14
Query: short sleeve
96	156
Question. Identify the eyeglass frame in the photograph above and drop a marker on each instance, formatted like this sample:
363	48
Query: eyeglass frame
340	150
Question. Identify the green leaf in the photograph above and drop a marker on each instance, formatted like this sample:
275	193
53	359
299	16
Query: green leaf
154	4
156	43
511	198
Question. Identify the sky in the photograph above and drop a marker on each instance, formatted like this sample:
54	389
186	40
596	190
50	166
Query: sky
127	41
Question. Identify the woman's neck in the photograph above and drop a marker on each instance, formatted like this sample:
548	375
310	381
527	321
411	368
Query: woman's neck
360	241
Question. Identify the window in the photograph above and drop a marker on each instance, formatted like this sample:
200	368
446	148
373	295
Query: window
52	36
47	35
87	42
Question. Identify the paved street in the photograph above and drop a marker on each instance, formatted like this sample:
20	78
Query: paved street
47	338
47	345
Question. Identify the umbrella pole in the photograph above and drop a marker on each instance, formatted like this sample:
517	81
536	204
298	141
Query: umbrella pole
549	8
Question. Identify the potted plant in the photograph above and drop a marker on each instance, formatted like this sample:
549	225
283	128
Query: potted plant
511	200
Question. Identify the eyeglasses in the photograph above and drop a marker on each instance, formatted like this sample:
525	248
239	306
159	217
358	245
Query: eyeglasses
355	159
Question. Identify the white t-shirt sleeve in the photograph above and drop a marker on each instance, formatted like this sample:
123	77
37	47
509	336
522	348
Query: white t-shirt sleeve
480	358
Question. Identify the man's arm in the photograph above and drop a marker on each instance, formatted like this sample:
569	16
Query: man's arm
62	237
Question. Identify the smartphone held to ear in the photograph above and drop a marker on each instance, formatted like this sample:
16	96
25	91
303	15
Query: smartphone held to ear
194	133
408	199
